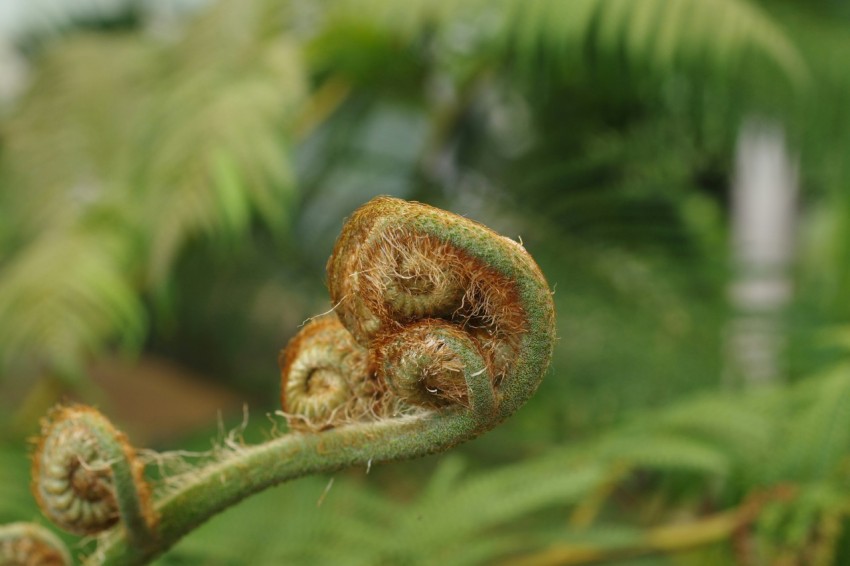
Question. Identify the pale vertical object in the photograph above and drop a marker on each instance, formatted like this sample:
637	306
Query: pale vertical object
764	196
13	73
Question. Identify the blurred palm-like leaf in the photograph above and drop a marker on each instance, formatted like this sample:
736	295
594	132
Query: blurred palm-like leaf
68	293
125	149
188	139
660	34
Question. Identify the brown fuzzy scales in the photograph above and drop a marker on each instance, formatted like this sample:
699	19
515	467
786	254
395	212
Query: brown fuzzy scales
384	274
72	479
418	365
399	271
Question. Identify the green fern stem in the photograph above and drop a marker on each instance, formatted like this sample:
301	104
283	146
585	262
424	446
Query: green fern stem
256	468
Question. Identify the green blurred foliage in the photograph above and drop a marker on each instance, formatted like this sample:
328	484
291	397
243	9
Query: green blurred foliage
174	175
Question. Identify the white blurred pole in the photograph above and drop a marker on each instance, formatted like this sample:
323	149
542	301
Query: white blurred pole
13	73
764	195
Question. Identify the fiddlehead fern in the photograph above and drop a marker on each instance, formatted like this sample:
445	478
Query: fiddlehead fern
442	328
86	477
325	377
399	263
27	544
424	364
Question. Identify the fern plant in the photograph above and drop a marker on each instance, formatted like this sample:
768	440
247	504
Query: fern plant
125	193
768	464
444	329
550	31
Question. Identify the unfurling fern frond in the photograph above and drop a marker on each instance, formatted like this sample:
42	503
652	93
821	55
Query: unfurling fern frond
445	329
31	544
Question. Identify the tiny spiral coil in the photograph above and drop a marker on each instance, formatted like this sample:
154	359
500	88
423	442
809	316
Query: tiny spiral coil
28	544
72	475
324	377
420	366
398	276
416	276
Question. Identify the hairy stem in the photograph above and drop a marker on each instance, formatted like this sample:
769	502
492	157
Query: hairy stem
249	470
256	468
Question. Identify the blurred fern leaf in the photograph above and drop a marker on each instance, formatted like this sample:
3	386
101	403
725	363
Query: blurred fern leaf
171	142
656	34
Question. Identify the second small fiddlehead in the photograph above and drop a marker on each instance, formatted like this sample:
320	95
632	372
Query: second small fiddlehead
27	544
424	364
326	377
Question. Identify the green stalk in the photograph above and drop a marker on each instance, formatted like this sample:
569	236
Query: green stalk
256	468
249	470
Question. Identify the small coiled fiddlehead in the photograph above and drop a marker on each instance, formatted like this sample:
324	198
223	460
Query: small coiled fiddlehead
28	544
86	477
442	328
423	364
326	378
